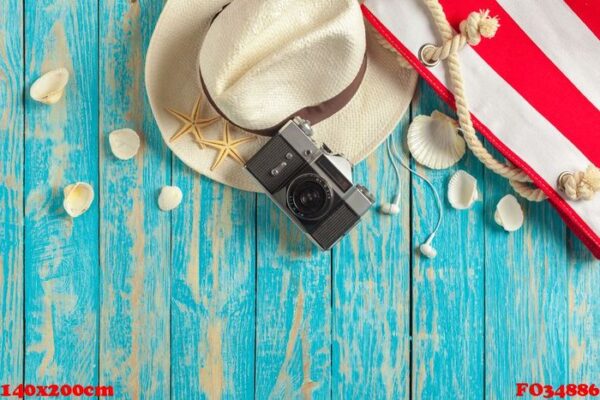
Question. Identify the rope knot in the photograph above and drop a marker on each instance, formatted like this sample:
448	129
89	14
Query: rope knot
580	185
478	25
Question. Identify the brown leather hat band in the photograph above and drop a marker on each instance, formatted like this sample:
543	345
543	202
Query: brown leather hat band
314	114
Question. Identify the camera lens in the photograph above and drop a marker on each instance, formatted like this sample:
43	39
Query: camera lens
309	197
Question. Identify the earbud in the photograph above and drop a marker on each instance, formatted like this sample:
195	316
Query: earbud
389	208
427	249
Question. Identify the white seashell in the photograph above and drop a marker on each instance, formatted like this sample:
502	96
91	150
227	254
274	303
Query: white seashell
170	197
462	190
78	198
49	88
434	141
124	143
509	214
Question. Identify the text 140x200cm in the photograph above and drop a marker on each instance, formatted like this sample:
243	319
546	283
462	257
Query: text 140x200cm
77	390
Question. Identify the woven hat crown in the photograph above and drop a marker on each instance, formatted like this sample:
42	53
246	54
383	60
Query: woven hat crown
261	61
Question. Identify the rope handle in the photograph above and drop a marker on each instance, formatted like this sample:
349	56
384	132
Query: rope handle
478	25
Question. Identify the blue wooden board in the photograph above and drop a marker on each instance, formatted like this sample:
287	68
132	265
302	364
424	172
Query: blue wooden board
526	294
61	255
447	292
11	193
223	297
293	347
135	238
371	292
213	283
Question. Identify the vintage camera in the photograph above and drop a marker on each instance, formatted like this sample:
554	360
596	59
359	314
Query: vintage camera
311	185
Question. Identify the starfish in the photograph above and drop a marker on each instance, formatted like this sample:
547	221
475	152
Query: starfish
192	123
226	147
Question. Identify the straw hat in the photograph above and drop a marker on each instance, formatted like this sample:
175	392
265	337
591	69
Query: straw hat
222	76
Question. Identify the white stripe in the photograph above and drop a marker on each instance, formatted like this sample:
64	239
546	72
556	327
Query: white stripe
565	40
495	103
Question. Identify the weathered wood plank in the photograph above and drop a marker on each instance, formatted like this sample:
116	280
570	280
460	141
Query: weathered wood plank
584	314
135	235
526	297
293	322
61	254
371	296
213	286
447	291
11	192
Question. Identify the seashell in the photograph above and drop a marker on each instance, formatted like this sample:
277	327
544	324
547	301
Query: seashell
434	141
124	143
462	190
509	214
78	198
49	88
170	197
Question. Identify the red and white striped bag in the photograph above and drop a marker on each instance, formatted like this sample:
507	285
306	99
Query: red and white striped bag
533	89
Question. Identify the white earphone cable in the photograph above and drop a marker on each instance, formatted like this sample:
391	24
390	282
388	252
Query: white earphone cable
396	170
395	157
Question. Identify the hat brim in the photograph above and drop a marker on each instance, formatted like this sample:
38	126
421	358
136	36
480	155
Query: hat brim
173	82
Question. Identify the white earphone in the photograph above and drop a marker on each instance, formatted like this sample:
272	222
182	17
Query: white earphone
393	208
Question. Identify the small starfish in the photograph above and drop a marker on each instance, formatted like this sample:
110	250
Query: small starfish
192	123
226	147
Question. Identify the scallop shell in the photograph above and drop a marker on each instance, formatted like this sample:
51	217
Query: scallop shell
509	214
124	143
49	88
78	198
462	190
434	141
170	197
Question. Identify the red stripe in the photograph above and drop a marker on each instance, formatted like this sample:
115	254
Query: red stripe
589	12
518	60
571	218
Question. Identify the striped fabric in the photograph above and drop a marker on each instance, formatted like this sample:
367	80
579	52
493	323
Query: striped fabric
533	89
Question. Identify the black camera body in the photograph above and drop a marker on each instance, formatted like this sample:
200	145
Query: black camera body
311	185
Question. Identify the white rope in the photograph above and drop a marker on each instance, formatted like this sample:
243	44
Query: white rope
478	25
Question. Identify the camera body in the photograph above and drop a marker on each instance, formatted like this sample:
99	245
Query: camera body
311	185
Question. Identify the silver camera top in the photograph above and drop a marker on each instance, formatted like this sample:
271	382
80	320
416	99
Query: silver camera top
304	125
299	133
